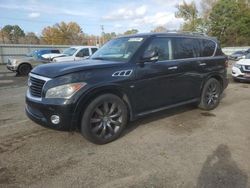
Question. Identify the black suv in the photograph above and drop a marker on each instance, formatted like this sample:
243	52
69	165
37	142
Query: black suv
127	78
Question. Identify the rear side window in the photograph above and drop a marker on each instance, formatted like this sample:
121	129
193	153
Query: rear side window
93	50
41	52
83	52
163	46
55	51
208	48
186	48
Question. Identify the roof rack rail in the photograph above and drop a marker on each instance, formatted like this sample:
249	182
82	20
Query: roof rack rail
189	32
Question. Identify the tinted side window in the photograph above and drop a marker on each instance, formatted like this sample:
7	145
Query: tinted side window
219	52
82	53
41	52
93	50
208	48
186	48
163	46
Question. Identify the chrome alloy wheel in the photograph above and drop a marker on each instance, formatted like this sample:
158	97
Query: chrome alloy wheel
106	120
212	94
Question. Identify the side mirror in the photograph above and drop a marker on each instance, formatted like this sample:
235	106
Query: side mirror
150	56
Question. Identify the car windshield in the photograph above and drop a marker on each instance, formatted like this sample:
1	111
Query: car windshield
120	49
69	51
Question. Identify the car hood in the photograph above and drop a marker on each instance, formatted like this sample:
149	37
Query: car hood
53	70
52	55
65	58
244	62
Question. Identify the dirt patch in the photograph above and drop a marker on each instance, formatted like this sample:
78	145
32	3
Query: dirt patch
18	140
4	120
208	114
245	86
6	176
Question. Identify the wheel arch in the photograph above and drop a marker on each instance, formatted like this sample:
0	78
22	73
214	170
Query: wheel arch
22	63
90	95
215	76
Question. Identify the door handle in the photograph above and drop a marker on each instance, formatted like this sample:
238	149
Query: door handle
173	68
202	64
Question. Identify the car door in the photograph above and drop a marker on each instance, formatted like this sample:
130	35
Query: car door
82	54
187	52
208	61
170	80
153	85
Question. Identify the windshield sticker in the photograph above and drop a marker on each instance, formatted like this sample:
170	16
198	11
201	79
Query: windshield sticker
137	39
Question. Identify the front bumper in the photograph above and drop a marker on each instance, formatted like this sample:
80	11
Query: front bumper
12	67
41	112
237	74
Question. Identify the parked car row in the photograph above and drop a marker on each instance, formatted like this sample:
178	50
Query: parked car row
239	54
72	54
25	64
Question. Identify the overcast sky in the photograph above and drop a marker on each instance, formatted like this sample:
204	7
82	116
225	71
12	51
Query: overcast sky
115	15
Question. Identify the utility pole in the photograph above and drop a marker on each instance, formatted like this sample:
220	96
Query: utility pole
102	35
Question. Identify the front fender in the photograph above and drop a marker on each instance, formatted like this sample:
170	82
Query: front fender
92	93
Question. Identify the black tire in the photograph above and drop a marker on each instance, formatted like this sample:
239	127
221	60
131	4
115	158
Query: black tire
104	119
24	69
211	94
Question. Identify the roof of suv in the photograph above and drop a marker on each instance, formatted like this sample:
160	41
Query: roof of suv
79	47
180	34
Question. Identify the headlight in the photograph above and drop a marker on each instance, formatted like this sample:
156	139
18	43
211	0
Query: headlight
13	62
237	65
64	91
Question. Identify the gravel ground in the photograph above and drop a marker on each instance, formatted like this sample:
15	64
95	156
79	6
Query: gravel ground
183	147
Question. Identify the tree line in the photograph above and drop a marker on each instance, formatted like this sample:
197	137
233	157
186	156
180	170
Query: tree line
228	20
60	34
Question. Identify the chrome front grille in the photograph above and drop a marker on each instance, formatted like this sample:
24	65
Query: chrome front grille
246	68
36	84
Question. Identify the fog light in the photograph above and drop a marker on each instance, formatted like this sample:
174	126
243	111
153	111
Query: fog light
55	119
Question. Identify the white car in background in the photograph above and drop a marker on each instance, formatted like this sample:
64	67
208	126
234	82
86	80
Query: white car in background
241	69
73	53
